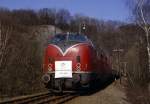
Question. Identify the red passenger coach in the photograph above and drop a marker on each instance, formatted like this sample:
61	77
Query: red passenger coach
71	62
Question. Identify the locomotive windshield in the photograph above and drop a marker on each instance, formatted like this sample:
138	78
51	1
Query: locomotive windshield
78	38
57	39
68	38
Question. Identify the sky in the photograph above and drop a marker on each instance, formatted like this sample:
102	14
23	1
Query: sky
100	9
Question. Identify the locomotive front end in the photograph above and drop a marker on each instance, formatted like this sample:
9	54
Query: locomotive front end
68	62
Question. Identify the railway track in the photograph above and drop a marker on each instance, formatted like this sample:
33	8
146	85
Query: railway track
40	98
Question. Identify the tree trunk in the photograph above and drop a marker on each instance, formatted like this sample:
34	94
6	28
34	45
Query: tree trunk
148	48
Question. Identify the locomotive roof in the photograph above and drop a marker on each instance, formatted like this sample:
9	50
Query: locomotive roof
68	37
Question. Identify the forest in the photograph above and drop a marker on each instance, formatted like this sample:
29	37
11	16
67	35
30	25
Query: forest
21	47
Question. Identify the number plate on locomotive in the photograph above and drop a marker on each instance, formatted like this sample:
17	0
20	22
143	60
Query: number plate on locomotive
63	69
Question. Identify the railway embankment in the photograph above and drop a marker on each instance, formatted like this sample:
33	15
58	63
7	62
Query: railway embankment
112	94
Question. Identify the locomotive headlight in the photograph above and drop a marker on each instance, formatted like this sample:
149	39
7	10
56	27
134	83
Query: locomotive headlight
78	67
46	78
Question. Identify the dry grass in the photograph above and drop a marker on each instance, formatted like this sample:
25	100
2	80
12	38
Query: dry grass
138	95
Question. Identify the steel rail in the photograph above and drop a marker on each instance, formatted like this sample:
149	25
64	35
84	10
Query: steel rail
40	98
58	99
23	98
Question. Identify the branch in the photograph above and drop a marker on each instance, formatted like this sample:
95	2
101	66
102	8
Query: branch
141	11
140	24
142	21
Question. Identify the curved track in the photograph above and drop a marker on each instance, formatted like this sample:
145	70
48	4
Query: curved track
40	98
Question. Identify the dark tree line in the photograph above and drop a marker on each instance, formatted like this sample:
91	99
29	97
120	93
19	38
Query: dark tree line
95	29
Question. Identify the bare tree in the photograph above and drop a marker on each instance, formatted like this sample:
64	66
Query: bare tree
4	38
142	13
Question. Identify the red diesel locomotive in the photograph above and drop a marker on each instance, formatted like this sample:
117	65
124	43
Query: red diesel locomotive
71	62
